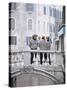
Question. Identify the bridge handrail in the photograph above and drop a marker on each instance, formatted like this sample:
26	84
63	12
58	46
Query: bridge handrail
43	51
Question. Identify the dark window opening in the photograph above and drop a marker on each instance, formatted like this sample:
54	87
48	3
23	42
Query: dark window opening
12	40
30	24
51	12
12	6
44	10
54	12
57	45
11	23
29	7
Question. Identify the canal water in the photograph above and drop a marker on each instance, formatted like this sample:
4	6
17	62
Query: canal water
32	80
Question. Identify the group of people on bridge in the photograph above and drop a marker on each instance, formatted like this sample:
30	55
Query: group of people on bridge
43	43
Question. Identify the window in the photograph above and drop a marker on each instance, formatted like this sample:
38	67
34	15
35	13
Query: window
50	11
12	6
59	14
54	12
30	24
38	26
29	7
44	27
44	10
50	28
12	40
28	40
57	45
11	23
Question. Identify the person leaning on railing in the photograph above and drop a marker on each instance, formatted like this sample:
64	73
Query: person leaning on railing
33	45
42	46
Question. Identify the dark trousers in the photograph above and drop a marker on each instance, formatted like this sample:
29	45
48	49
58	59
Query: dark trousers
41	57
32	55
49	59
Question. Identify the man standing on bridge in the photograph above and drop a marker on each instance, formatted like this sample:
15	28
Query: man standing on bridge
42	46
33	45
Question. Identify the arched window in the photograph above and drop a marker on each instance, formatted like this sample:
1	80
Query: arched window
44	10
29	7
11	23
29	24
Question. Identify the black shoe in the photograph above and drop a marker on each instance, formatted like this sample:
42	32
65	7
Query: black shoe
40	62
50	62
44	61
31	62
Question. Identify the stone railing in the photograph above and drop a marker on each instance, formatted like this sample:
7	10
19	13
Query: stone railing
23	57
19	63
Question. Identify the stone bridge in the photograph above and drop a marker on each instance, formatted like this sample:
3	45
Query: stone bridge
23	74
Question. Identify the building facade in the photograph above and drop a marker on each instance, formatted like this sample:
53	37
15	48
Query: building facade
60	32
28	19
